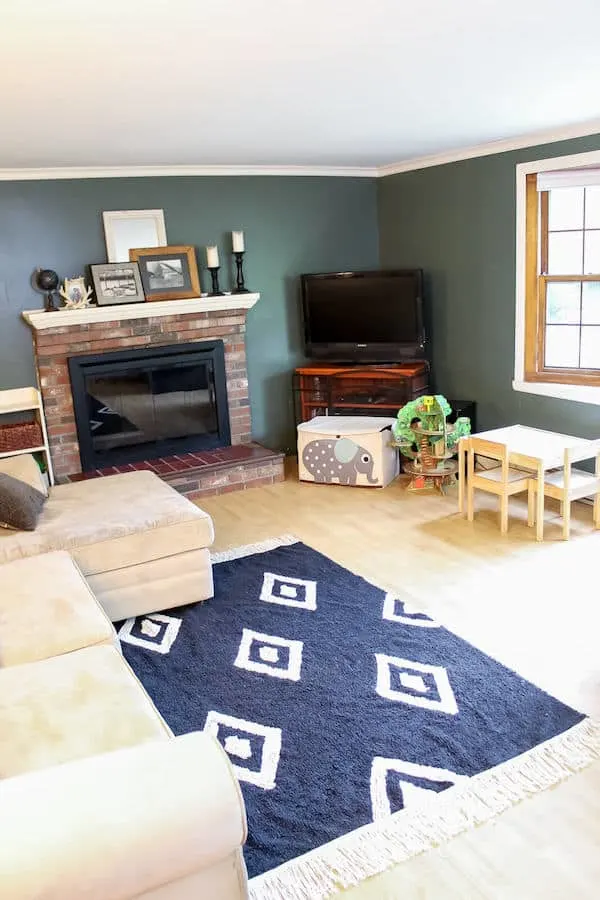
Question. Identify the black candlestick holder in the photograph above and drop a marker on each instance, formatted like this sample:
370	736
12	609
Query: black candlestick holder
240	287
214	274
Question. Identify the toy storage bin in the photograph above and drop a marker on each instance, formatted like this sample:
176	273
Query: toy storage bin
352	450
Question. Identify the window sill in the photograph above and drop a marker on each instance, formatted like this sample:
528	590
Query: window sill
578	393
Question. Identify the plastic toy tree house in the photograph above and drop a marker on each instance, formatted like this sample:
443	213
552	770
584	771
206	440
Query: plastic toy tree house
429	442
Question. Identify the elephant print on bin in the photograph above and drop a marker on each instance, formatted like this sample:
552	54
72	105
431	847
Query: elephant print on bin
338	459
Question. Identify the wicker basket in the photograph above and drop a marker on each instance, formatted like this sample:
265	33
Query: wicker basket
20	436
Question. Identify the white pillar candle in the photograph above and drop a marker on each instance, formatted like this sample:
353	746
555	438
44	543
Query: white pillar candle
212	257
238	241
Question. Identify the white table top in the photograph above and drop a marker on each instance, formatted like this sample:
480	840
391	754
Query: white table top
547	446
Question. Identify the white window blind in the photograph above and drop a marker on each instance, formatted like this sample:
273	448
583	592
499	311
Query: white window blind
569	178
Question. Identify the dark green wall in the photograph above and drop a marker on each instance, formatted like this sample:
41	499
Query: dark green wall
457	222
292	225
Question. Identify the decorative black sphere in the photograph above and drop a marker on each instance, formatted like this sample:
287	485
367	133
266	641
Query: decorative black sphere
46	280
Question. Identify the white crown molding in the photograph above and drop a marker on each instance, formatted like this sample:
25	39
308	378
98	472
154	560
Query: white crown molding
63	172
549	136
532	139
39	320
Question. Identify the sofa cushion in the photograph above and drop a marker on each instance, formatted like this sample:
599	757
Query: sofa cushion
72	706
20	504
25	468
47	608
113	522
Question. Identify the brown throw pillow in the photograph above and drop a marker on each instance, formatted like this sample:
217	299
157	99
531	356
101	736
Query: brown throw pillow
20	504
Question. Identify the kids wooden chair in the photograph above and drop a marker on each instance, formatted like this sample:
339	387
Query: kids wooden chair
501	480
570	484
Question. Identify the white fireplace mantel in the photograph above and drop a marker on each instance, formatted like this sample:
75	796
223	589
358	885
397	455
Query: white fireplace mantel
40	320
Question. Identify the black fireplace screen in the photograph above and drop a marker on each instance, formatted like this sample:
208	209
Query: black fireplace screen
135	405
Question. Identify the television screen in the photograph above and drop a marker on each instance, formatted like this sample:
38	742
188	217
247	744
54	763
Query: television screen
363	313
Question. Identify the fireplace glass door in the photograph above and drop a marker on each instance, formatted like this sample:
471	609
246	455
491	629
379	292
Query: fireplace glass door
143	407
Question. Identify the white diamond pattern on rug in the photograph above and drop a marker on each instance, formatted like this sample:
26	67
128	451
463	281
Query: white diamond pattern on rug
156	632
236	746
397	610
268	654
287	591
386	709
399	784
150	628
415	683
253	749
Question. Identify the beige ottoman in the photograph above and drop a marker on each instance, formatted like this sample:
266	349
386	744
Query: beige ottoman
140	545
47	609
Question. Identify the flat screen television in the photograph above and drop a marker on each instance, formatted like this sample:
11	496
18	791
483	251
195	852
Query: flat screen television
364	317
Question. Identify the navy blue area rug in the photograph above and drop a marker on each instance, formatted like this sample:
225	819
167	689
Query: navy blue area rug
338	704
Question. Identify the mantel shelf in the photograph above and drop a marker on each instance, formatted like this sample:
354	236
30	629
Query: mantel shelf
40	320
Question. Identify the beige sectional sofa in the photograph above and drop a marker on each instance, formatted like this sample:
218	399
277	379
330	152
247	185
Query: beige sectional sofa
97	798
141	546
160	821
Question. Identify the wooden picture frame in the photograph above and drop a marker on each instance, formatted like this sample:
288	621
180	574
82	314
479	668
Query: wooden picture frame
116	283
168	273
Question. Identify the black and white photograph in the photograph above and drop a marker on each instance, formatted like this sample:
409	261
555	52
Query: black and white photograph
165	274
168	273
117	283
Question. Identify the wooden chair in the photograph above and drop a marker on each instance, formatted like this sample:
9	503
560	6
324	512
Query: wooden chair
570	484
501	480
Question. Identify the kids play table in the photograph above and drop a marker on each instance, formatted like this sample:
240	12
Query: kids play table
528	448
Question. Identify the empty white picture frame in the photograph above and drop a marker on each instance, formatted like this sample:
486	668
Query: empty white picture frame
126	229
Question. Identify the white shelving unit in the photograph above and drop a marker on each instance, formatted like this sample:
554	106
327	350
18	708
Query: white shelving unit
27	399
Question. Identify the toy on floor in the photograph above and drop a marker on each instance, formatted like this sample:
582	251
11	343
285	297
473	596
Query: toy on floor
429	442
352	450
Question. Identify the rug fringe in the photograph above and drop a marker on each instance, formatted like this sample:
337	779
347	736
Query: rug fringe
249	549
372	849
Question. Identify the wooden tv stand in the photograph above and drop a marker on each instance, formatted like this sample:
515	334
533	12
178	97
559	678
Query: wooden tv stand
322	389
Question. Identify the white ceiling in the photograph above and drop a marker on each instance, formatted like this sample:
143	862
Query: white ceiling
287	82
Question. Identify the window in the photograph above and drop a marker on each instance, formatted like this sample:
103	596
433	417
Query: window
562	276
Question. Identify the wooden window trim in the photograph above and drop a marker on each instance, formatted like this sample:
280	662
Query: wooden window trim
544	201
536	262
531	285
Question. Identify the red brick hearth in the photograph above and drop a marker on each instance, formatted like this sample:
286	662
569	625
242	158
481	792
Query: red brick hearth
58	336
212	472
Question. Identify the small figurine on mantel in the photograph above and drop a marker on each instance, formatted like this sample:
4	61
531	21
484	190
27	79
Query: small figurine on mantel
429	441
75	294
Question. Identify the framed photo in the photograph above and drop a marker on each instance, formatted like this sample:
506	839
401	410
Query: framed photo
117	283
127	228
75	293
168	273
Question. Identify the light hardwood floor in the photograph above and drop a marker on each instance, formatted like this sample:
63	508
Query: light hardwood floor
532	606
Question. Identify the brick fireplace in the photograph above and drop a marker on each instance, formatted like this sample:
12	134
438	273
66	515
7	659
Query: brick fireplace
99	330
